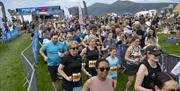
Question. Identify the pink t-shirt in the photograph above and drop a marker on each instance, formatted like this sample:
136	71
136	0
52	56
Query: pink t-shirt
98	85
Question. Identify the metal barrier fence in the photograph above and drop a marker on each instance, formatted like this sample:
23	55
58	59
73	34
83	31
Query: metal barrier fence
28	65
168	61
29	54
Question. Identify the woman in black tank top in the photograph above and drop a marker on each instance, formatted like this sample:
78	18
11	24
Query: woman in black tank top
148	69
91	53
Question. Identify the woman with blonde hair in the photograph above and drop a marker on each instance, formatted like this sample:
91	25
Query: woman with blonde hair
151	41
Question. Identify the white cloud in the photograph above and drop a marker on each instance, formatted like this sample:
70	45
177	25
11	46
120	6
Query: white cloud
71	3
53	2
17	3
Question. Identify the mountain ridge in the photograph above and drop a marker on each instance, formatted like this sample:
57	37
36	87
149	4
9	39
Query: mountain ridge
121	7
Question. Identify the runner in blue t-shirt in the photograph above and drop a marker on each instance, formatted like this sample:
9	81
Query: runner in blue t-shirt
54	50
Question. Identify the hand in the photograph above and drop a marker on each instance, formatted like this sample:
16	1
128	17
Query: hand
45	59
60	54
69	78
136	60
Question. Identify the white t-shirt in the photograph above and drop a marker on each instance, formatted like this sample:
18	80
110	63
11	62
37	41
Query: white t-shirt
176	71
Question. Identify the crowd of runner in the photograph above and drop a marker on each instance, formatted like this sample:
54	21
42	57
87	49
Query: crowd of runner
101	47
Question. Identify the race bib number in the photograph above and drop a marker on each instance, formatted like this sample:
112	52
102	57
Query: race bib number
113	69
92	63
76	77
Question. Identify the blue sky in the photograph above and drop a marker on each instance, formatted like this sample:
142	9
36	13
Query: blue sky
12	4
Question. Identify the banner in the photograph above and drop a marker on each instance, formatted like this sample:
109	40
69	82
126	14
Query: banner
10	35
35	47
37	10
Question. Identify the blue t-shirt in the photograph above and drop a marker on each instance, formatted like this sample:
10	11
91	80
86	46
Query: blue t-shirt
52	52
113	63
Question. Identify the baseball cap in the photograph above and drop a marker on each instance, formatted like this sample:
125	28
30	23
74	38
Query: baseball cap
152	49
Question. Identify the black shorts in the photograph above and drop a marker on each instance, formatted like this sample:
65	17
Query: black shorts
131	69
53	72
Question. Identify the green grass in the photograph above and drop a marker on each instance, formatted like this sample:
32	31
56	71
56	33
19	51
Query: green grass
170	48
44	80
11	70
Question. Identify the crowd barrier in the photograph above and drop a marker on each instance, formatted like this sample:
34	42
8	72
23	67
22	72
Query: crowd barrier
28	65
29	59
10	35
168	61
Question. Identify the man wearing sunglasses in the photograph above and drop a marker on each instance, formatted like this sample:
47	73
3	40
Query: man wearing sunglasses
148	69
100	82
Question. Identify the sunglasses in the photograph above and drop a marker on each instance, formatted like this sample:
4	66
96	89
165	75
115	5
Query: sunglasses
156	55
75	48
102	69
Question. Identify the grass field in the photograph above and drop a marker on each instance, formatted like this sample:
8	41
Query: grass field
170	48
12	74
